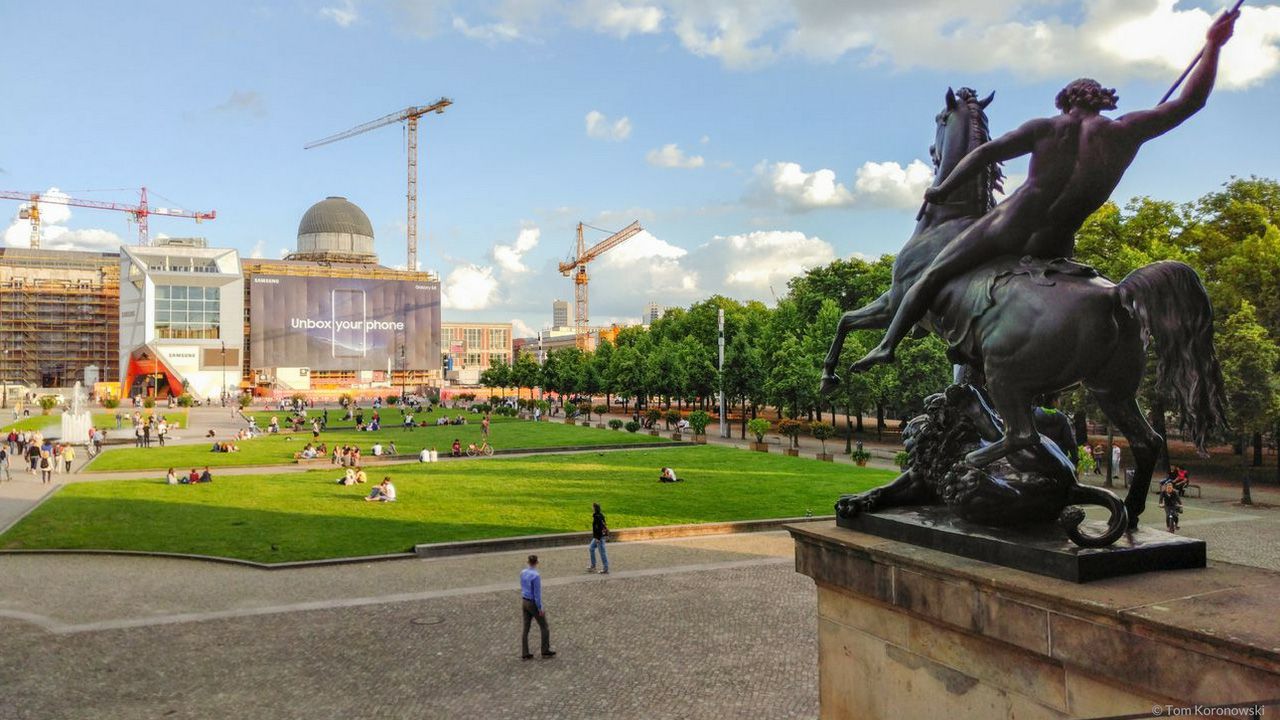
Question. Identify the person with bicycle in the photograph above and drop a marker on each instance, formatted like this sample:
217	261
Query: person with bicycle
484	448
1172	504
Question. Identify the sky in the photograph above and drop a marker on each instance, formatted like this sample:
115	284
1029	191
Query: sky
751	140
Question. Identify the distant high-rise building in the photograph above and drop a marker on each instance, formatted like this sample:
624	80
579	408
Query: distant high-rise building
652	311
559	314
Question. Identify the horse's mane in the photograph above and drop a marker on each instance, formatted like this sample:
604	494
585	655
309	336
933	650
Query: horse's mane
991	177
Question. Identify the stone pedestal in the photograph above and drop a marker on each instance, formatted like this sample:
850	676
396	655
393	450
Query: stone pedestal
910	632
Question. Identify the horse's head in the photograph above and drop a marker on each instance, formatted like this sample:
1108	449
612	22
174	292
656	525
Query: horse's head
962	127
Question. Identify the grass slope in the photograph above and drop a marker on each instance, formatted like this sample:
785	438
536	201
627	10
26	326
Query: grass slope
279	449
304	516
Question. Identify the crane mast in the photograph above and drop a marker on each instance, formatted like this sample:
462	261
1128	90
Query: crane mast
409	116
577	266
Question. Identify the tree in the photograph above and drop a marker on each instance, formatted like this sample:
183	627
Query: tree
1249	358
526	373
497	375
744	375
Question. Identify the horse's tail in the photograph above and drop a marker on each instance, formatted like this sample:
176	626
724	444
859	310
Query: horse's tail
1073	516
1172	305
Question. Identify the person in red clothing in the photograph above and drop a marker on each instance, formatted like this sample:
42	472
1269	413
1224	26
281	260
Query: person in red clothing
194	477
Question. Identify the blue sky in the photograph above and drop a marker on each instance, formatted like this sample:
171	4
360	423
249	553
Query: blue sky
751	139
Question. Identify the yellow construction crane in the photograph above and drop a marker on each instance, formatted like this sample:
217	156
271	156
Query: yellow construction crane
579	263
409	116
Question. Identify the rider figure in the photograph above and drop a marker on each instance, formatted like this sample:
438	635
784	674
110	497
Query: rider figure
1077	159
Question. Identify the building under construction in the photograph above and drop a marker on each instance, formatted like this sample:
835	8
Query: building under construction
59	317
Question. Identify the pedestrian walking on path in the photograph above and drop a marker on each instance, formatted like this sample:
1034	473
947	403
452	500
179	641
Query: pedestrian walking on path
599	530
531	608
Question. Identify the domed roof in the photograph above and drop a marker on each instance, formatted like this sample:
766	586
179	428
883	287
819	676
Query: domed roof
335	215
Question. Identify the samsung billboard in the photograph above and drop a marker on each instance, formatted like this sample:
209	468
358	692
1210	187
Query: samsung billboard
343	323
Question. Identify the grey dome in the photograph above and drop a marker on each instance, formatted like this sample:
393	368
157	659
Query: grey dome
335	230
335	215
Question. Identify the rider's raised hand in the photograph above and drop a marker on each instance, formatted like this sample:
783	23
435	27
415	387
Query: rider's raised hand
1221	29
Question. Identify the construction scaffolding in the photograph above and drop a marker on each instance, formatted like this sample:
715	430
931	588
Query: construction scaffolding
59	315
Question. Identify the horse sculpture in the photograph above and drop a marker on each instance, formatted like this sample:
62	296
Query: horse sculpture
1026	327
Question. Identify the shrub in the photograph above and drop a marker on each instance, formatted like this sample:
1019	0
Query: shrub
698	420
860	456
482	407
653	415
298	399
584	408
246	401
47	403
1084	463
110	403
671	417
185	400
571	411
391	399
822	431
902	459
758	427
631	426
543	405
791	428
601	409
616	424
148	402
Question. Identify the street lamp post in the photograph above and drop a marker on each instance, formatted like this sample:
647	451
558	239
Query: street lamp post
724	423
224	373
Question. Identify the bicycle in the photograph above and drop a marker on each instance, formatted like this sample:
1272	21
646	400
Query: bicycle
483	449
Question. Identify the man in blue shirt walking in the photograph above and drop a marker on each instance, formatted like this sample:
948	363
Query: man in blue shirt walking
531	604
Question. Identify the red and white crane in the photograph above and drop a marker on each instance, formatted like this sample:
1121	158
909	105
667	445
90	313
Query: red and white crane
138	213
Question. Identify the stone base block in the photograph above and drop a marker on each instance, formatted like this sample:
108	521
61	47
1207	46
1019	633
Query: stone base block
907	632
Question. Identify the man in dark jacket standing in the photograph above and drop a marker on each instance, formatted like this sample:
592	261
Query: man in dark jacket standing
598	532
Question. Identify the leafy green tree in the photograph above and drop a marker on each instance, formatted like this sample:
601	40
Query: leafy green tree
744	375
526	372
1249	358
497	375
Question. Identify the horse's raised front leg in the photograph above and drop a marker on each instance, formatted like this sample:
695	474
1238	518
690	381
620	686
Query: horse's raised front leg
876	314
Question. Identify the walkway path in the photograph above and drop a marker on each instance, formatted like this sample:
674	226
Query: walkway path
699	628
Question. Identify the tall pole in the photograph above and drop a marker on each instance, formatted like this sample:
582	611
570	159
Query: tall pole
724	423
224	373
412	194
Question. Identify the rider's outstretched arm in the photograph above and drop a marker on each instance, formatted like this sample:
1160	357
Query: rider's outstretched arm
1163	118
1012	144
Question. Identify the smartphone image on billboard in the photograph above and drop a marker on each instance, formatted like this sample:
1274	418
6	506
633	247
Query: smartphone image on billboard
349	339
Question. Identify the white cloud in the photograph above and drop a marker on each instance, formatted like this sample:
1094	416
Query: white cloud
469	287
248	102
671	156
599	127
488	32
343	15
54	234
520	328
876	184
618	19
258	249
753	262
510	258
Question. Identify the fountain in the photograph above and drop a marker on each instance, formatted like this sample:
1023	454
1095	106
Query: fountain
76	420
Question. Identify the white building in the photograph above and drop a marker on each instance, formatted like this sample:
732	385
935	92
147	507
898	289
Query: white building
181	320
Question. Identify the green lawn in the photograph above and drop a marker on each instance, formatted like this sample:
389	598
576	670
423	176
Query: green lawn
303	516
279	449
389	417
103	419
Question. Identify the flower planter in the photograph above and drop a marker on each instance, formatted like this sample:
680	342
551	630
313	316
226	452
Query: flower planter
700	439
600	426
675	436
760	447
861	463
587	423
792	452
825	457
570	421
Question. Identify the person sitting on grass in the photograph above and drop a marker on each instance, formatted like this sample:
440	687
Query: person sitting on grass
391	448
384	492
456	450
348	478
193	478
361	477
308	452
206	476
376	450
668	475
171	477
